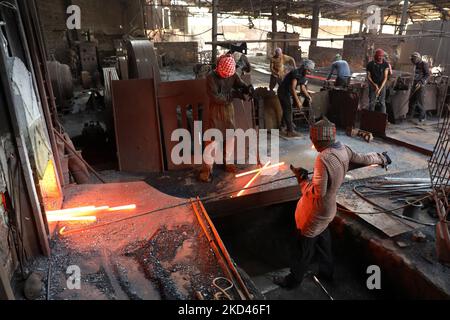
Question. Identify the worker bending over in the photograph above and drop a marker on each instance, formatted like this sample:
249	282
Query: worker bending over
243	65
342	70
421	76
317	206
287	94
223	85
277	67
377	75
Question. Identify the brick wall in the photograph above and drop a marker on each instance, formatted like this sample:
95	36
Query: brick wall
359	52
106	19
322	56
178	52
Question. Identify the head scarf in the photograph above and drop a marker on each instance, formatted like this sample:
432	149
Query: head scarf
226	66
278	51
323	134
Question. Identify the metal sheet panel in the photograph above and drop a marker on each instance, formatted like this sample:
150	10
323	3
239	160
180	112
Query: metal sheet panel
142	60
374	122
343	108
137	126
243	113
180	104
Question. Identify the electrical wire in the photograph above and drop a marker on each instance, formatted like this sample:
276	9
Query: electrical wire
198	34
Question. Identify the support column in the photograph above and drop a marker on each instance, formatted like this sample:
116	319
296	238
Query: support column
404	19
315	23
274	19
361	23
382	21
215	12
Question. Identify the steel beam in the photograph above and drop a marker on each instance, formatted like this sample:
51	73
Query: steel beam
215	12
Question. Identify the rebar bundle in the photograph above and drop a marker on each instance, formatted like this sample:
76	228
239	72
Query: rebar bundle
439	166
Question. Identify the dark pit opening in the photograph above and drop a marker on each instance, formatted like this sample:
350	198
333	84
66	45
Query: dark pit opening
260	240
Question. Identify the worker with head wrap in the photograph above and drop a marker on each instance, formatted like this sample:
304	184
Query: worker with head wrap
277	67
377	75
223	86
421	76
317	206
342	70
287	93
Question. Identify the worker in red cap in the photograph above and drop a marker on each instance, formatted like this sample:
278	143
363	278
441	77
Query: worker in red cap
317	206
377	75
223	86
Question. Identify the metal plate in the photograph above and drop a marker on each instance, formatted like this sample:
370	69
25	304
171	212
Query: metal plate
88	57
142	60
243	112
137	126
343	108
180	104
374	122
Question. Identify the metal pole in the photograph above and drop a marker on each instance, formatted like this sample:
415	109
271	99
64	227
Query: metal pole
404	19
361	23
274	20
215	11
315	24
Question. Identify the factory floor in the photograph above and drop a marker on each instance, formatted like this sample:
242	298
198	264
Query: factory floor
114	274
113	257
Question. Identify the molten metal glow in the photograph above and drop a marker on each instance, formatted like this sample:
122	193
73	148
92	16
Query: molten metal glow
260	170
69	218
61	231
71	211
123	208
253	179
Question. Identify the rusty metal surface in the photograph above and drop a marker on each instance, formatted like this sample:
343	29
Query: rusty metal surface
136	124
142	60
244	114
88	57
183	102
374	122
180	104
123	68
343	108
399	102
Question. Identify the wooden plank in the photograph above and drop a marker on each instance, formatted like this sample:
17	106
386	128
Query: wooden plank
136	124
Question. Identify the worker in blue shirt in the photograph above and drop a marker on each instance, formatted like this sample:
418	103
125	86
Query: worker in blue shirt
342	70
